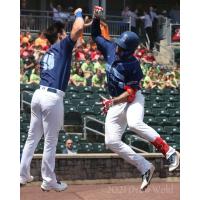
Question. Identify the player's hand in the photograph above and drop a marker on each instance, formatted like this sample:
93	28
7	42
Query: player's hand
97	12
78	10
106	103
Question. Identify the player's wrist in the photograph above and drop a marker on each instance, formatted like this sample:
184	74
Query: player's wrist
79	14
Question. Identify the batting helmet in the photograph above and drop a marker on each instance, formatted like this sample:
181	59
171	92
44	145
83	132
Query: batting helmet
128	41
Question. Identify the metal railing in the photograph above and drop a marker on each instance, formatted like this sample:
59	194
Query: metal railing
24	101
85	128
36	21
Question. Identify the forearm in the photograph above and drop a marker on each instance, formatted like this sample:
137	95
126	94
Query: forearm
77	28
121	98
96	31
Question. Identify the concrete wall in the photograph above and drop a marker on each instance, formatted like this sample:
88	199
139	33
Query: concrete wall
97	166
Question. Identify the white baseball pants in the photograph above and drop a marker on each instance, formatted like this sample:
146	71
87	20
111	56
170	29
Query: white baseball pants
47	114
117	118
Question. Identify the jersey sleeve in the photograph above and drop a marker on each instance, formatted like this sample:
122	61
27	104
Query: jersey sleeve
134	75
103	45
67	44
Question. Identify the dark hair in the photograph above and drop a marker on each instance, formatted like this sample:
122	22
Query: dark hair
52	31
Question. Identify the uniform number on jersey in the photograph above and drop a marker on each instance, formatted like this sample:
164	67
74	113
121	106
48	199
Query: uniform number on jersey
48	61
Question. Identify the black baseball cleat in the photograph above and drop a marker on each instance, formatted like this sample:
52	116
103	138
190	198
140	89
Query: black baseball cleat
146	178
174	161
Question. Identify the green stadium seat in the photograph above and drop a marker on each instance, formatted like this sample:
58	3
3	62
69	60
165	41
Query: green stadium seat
21	147
78	102
146	91
172	130
60	147
86	110
172	98
62	137
174	112
176	139
159	130
167	105
97	109
163	121
95	125
175	121
168	138
100	90
174	92
160	112
175	146
85	148
149	120
142	145
67	102
98	148
155	104
177	105
72	118
70	108
147	98
148	104
159	92
27	96
148	112
72	89
74	138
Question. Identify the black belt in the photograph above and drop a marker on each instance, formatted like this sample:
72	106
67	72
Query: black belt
52	90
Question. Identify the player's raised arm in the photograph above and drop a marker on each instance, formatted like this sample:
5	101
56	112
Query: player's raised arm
77	28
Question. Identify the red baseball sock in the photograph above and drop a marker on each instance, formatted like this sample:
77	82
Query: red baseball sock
161	145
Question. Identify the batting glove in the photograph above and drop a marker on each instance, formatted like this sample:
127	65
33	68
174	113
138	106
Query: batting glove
106	103
98	12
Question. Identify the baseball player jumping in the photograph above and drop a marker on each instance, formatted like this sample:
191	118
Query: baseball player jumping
126	105
47	110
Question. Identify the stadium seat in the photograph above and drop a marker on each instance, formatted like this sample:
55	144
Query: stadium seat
86	110
79	102
100	90
67	102
159	129
146	91
160	112
95	125
155	104
75	138
70	108
98	147
177	105
157	98
148	112
168	138
175	121
149	120
159	92
62	137
97	109
164	121
72	89
167	105
176	139
85	148
172	130
174	112
60	147
172	98
72	118
148	104
146	146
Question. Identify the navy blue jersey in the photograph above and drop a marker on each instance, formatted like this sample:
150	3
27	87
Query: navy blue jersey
56	64
120	73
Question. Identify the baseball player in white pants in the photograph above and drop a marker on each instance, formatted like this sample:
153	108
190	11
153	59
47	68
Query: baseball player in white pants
47	111
126	105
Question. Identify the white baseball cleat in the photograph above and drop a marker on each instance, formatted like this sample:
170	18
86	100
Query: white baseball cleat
58	187
24	182
146	178
174	161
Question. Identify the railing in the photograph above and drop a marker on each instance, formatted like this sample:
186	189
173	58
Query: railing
85	128
23	101
36	21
